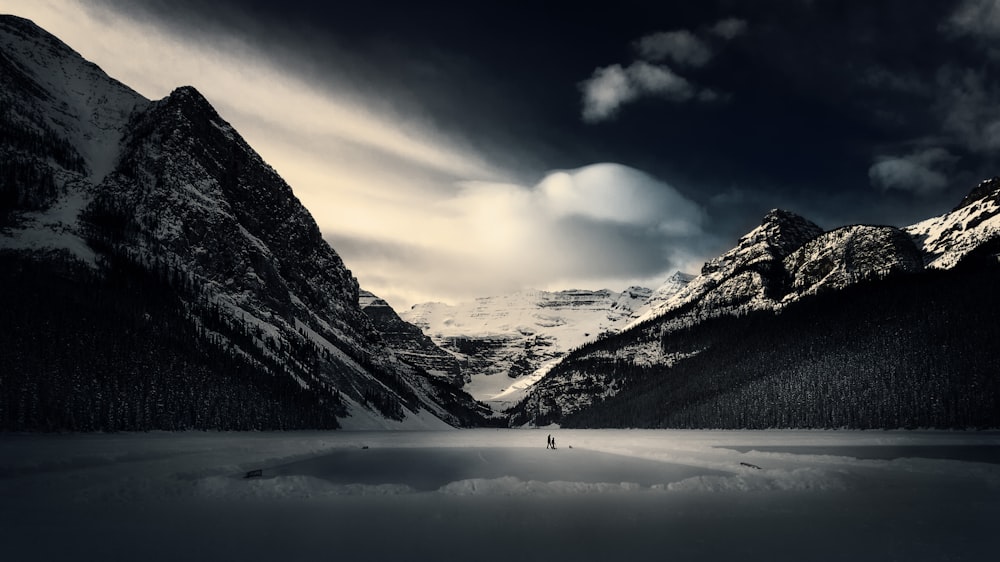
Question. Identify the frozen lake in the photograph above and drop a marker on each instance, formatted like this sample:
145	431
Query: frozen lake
501	495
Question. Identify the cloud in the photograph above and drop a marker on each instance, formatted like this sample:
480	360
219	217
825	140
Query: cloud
977	18
612	86
246	83
603	225
685	48
970	112
605	91
682	47
660	81
913	173
616	193
729	28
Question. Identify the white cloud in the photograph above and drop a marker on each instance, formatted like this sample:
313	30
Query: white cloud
681	46
660	80
584	228
616	193
603	225
729	28
914	172
605	91
612	86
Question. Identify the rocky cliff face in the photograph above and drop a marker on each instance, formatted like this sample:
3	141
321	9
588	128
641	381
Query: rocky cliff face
169	190
409	342
847	256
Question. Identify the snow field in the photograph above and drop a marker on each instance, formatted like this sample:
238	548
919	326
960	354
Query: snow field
497	495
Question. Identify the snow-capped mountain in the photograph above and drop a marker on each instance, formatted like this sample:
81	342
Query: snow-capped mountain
167	194
974	223
660	296
786	266
747	277
505	343
845	256
409	342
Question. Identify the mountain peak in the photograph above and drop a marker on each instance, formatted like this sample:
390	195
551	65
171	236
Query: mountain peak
780	233
986	188
23	25
975	223
788	230
188	93
190	102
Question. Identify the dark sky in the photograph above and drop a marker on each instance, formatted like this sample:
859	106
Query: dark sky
885	111
812	94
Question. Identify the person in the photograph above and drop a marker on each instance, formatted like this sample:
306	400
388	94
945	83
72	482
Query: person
548	442
553	442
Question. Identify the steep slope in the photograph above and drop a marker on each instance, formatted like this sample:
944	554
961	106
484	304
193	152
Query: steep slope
974	223
909	351
748	277
658	299
784	262
409	342
61	121
848	255
168	194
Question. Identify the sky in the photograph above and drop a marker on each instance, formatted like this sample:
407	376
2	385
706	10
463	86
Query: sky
454	150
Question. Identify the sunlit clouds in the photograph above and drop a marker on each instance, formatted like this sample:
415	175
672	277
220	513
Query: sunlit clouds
589	223
417	214
604	225
450	154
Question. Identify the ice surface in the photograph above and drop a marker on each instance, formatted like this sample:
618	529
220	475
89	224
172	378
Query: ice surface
501	495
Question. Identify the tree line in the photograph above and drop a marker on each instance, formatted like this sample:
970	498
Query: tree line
908	351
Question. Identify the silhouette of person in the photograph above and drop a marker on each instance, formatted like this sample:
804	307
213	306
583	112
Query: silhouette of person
548	442
553	442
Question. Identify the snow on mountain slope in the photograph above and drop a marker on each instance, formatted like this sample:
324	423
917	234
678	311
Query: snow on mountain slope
170	191
743	278
784	259
506	342
847	255
71	94
409	342
947	238
660	298
64	119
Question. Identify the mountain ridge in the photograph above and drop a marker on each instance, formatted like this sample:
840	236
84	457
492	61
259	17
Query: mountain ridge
760	281
166	196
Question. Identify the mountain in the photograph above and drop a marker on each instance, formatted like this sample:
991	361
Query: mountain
796	327
659	297
505	343
947	239
216	301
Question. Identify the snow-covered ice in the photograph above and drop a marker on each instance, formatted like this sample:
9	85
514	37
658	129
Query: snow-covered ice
501	495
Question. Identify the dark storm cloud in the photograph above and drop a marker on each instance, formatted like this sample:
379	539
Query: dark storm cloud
919	172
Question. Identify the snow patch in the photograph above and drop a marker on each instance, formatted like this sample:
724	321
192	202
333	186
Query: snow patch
513	486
